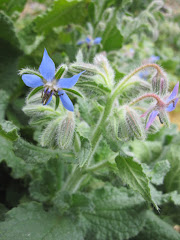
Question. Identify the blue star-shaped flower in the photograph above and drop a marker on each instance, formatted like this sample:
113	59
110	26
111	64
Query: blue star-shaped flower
89	41
52	86
168	104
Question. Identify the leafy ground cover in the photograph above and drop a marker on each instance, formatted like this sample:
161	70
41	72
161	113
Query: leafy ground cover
87	165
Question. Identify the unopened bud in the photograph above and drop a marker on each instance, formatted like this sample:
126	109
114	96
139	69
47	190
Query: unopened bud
159	84
134	124
77	143
163	118
65	131
90	69
48	137
102	61
62	69
127	125
155	126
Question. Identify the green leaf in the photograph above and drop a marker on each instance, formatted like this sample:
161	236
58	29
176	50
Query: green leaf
33	154
147	151
112	38
30	221
17	165
113	214
155	228
10	51
159	171
171	153
132	174
74	92
46	180
3	103
62	13
11	6
34	91
7	29
8	130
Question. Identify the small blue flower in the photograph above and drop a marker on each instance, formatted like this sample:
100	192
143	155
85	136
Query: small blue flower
154	59
144	74
51	85
168	104
89	41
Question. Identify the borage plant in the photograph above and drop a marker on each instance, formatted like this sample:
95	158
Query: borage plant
108	112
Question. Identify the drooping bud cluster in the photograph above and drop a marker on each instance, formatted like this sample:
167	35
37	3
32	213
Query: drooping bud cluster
159	84
126	124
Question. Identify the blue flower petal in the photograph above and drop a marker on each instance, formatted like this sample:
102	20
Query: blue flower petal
47	67
172	106
81	42
151	119
66	101
174	93
154	58
68	82
88	40
97	40
32	80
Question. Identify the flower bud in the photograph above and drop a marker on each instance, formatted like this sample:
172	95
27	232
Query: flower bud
159	84
77	143
127	125
48	137
163	118
90	69
65	131
60	72
102	61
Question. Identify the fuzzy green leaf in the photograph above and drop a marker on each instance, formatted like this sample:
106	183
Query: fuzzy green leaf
62	13
117	214
159	171
112	38
29	222
155	228
8	130
132	174
3	103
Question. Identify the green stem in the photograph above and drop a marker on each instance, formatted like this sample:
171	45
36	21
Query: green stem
97	166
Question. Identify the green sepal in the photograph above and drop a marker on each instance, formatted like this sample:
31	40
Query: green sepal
72	91
61	71
30	71
57	102
89	85
34	91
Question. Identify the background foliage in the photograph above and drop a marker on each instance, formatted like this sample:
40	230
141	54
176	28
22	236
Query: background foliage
33	202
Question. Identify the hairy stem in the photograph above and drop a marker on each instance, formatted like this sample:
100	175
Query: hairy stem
148	95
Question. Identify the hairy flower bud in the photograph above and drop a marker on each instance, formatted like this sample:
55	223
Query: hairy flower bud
48	137
159	84
127	125
101	61
65	131
77	143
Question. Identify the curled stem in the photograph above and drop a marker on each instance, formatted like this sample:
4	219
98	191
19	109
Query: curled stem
148	95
